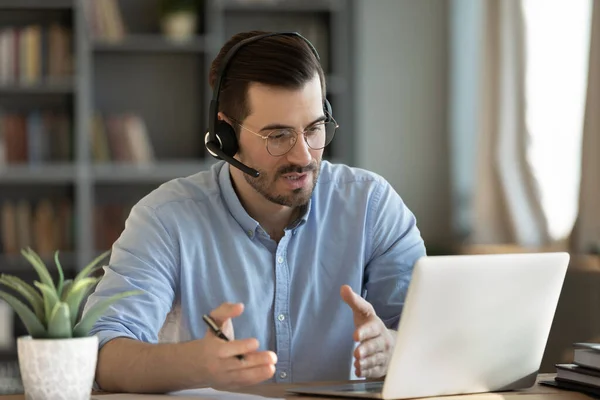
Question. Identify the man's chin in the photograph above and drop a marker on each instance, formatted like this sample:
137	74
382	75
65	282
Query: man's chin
293	197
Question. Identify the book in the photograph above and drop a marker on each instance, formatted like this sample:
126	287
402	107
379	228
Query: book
10	243
35	54
121	138
35	137
572	386
587	355
578	374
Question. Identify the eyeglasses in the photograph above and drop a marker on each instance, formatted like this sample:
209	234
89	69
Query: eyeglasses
281	141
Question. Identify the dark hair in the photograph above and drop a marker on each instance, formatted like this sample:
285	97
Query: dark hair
282	61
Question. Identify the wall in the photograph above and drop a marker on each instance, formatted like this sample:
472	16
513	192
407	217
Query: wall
401	102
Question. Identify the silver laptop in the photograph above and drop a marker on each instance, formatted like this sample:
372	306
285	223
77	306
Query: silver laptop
471	324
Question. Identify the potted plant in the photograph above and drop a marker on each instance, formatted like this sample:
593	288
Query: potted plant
179	18
57	360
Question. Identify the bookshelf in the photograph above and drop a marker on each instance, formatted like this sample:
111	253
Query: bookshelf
36	4
149	43
131	75
164	171
39	175
59	88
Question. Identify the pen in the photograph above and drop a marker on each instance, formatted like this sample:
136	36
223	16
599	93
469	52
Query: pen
217	331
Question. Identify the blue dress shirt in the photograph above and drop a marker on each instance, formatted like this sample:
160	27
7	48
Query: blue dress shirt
191	246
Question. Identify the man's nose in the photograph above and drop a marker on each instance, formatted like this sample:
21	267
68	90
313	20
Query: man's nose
300	152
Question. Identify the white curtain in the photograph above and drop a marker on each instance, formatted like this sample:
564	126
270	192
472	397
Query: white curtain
516	123
586	235
502	205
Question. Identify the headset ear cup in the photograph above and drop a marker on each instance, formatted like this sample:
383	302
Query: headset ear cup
226	134
327	108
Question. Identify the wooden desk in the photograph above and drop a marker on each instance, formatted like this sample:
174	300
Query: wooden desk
537	392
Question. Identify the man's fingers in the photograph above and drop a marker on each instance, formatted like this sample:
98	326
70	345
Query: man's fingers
251	376
370	347
367	331
236	347
251	360
358	305
373	366
376	372
374	360
226	311
222	316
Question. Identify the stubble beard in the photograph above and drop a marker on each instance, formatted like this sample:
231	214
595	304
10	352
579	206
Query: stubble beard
266	185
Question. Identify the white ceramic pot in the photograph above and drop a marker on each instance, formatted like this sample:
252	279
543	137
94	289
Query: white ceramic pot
58	369
179	26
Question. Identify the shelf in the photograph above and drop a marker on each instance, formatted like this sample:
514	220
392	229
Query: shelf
63	87
38	174
150	43
17	264
151	173
8	355
278	5
36	4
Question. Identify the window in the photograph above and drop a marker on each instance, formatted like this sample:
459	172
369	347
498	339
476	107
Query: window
557	40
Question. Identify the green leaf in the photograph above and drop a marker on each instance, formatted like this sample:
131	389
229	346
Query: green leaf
91	267
61	275
87	322
39	266
33	325
59	325
66	289
27	291
76	295
50	298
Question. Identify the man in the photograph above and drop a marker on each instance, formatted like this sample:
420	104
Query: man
308	261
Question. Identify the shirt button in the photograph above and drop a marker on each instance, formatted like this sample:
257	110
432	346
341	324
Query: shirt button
282	375
281	317
280	259
250	233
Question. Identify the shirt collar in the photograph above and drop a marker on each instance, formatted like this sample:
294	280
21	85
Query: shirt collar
301	220
236	209
232	201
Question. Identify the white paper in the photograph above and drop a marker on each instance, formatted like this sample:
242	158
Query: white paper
209	393
189	394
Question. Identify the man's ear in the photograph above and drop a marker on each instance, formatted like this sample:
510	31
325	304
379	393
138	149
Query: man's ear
223	117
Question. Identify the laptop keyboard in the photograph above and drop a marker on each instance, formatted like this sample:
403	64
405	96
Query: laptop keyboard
371	387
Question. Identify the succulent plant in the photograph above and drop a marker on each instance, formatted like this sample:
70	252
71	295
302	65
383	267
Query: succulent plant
53	308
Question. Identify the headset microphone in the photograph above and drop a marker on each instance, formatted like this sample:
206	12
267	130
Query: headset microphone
226	145
221	140
213	148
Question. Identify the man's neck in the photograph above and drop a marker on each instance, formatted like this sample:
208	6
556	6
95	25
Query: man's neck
273	218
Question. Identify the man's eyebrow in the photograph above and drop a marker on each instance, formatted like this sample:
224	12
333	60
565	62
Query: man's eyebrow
270	127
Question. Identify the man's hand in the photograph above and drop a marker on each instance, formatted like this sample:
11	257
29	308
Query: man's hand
372	355
133	366
217	357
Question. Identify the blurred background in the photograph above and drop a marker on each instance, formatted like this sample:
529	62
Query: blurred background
483	114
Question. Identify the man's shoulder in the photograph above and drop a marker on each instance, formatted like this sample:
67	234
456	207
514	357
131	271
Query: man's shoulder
196	188
337	173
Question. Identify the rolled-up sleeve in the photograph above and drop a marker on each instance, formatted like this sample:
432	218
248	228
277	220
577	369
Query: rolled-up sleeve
395	245
145	257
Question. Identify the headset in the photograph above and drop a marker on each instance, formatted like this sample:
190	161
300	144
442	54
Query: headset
220	140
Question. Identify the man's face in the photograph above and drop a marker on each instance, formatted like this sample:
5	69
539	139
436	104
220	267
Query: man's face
289	179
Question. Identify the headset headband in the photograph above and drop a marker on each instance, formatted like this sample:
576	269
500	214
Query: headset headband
214	103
